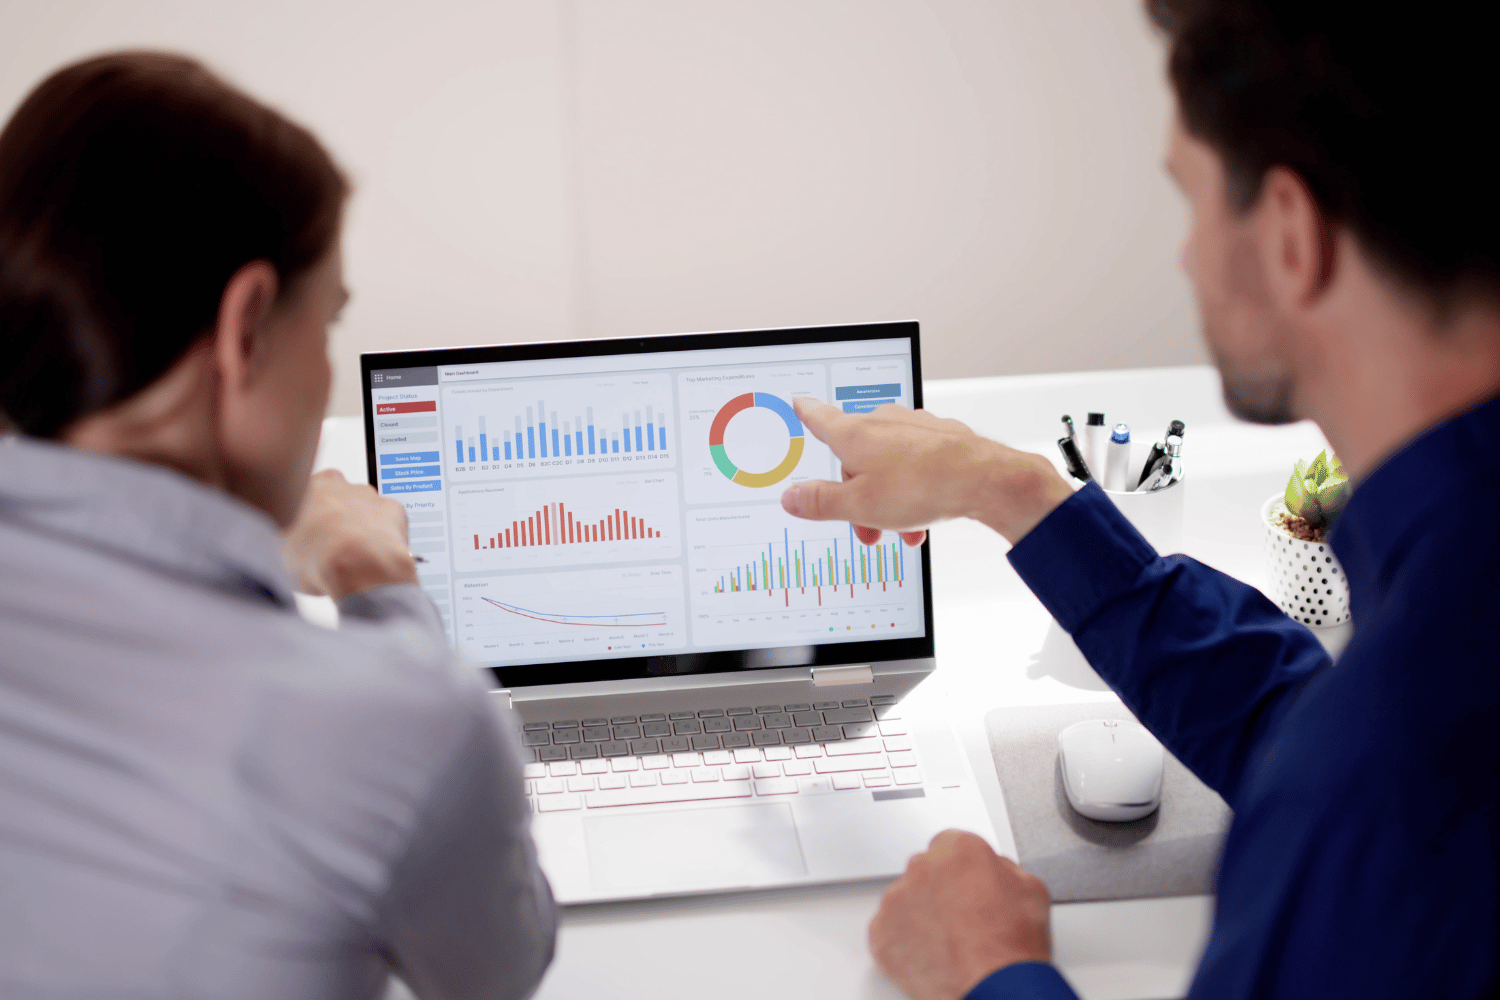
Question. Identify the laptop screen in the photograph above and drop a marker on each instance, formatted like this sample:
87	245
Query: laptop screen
611	509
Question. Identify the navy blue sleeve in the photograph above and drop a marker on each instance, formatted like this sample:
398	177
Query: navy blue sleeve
1023	981
1206	662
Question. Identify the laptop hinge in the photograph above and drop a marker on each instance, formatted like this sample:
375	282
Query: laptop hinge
836	676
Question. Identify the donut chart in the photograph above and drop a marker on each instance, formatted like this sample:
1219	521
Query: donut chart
776	405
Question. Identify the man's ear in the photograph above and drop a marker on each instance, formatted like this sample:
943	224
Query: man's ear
247	302
1296	243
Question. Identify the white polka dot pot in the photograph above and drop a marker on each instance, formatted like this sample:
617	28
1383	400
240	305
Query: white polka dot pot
1307	581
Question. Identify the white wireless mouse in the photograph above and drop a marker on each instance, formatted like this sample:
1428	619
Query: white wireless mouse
1111	769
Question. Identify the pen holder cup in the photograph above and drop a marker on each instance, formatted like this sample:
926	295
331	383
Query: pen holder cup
1156	515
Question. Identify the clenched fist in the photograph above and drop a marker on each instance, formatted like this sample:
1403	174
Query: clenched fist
959	913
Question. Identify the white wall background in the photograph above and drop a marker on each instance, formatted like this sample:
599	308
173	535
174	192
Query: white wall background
538	169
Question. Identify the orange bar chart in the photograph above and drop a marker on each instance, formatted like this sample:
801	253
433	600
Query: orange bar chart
553	525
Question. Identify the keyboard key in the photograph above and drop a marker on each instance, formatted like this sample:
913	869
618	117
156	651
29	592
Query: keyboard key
687	760
812	750
674	716
766	770
613	781
779	720
859	730
627	732
705	741
736	739
594	766
669	793
747	723
553	753
583	751
815	786
656	729
908	776
844	782
797	708
704	774
536	739
835	765
856	703
903	759
688	728
566	724
741	711
563	769
596	722
672	744
614	748
778	753
795	767
883	699
881	780
711	713
871	745
827	734
534	771
594	734
624	764
767	709
547	786
808	718
747	756
642	779
774	786
531	786
582	783
654	717
559	803
565	736
823	706
656	762
767	738
893	729
674	777
736	772
897	743
841	716
642	747
796	735
620	720
537	727
892	712
714	757
717	725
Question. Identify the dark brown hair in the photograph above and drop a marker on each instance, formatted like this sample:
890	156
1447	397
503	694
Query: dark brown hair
1384	113
132	187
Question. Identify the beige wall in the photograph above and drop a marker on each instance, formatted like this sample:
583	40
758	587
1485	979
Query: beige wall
535	169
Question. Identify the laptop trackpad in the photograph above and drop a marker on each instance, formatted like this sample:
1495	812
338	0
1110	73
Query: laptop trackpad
727	847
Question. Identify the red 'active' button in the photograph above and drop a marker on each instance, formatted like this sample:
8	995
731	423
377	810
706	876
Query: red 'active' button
430	404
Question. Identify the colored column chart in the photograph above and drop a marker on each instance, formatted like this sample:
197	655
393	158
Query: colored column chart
753	568
518	428
742	438
571	614
567	522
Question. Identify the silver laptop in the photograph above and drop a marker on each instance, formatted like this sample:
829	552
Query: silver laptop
711	690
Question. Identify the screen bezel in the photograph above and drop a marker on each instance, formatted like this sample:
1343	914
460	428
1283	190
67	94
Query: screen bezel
678	664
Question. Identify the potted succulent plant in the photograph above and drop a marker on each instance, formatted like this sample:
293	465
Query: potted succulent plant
1307	581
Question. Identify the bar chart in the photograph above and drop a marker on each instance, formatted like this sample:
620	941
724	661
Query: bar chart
756	570
572	614
565	522
516	429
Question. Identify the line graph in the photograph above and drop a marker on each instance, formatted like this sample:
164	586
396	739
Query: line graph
590	621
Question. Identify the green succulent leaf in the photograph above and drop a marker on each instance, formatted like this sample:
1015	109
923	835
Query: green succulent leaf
1318	491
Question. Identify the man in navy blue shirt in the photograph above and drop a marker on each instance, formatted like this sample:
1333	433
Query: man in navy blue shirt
1345	249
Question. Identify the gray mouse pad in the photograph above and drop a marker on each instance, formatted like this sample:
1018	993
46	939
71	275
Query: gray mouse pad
1173	852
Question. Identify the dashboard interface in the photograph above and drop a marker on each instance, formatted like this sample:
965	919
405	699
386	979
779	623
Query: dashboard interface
621	506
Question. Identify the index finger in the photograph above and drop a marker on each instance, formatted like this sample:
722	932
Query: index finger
824	420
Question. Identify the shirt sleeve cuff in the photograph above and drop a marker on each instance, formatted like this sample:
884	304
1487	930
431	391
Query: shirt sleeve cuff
1023	981
1081	556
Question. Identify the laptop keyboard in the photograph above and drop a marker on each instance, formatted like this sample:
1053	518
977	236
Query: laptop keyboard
732	753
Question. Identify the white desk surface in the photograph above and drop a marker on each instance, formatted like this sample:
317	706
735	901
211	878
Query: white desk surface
995	646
